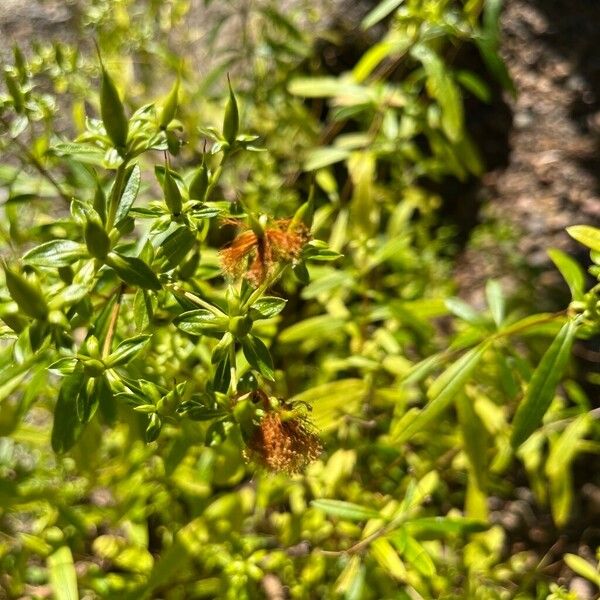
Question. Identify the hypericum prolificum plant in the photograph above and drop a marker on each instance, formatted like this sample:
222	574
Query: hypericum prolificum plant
89	302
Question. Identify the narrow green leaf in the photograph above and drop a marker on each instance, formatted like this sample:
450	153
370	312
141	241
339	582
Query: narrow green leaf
332	400
380	12
201	322
346	510
133	178
67	427
384	553
570	270
586	235
62	575
440	527
258	356
133	271
56	253
267	307
583	567
542	386
126	350
444	389
495	300
323	157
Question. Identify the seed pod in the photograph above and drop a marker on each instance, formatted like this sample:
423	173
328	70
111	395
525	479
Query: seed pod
170	106
231	120
172	193
96	239
27	296
112	111
199	183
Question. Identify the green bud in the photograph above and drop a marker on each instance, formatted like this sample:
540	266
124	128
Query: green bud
240	326
100	202
170	106
93	367
154	427
27	295
231	120
92	346
172	194
199	183
112	111
96	239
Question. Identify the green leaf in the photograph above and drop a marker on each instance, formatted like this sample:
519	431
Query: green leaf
176	245
583	567
383	552
258	356
328	87
201	322
570	270
495	300
380	12
331	400
67	427
323	157
441	86
440	527
463	310
267	307
346	510
586	235
417	556
444	389
542	386
62	575
96	239
133	177
127	350
56	253
133	271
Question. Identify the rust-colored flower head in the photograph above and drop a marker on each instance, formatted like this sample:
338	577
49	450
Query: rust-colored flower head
284	440
255	251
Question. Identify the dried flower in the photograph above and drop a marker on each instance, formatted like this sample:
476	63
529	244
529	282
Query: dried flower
284	441
280	241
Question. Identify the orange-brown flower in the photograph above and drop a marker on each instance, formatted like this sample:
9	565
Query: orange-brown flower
284	441
280	241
